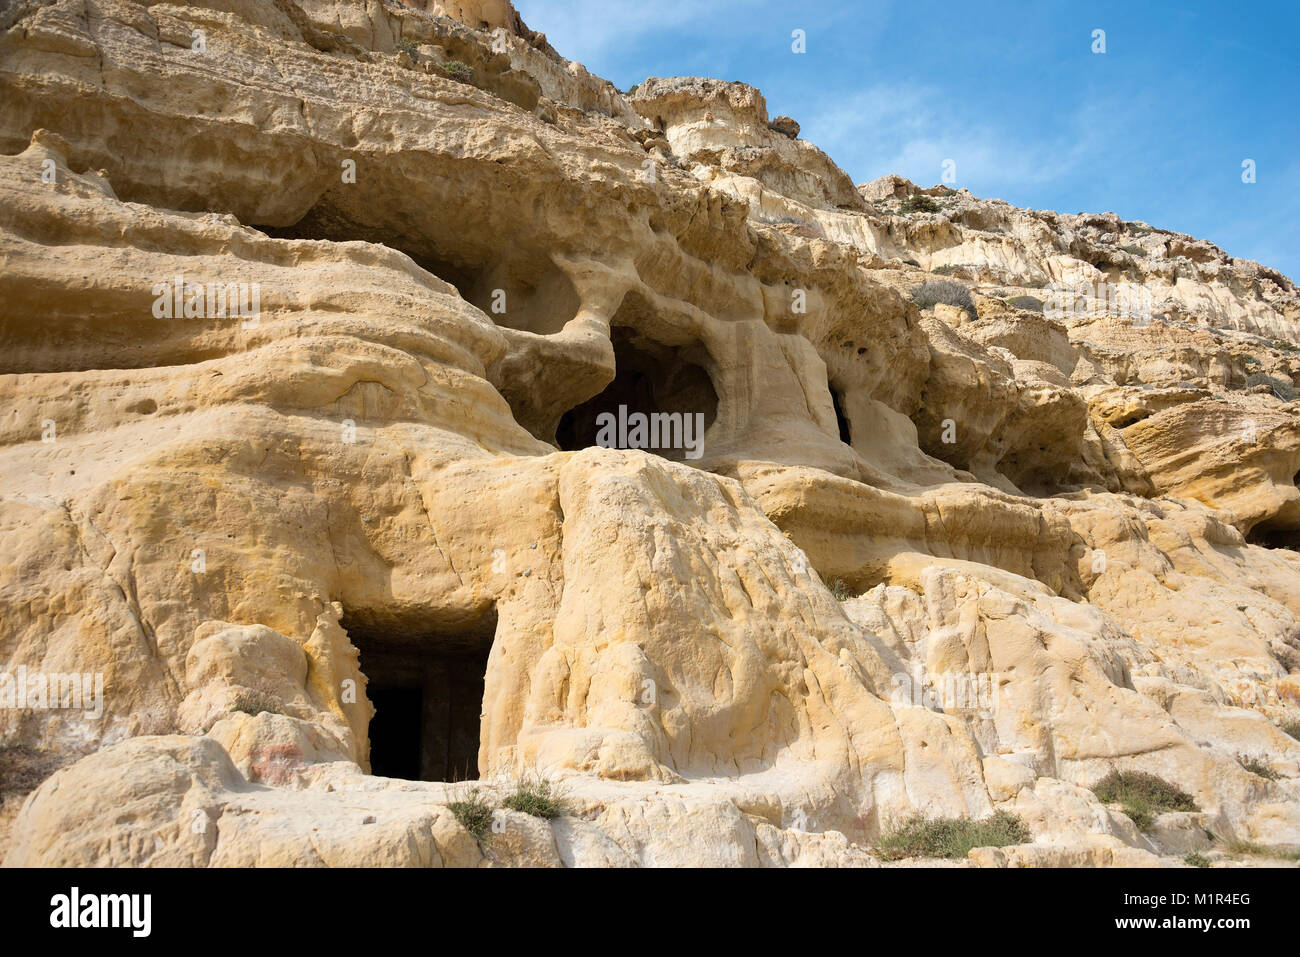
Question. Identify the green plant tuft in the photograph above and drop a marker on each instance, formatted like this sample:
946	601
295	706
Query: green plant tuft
1256	766
1196	860
1032	303
919	836
949	270
918	203
457	70
474	814
537	798
840	589
1142	796
1261	850
255	702
1292	728
935	291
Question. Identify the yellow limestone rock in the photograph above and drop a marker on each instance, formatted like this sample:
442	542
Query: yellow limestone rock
302	437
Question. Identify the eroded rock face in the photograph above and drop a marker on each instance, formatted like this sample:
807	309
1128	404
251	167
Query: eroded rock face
310	336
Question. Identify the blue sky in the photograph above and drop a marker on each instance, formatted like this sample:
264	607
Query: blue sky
1156	128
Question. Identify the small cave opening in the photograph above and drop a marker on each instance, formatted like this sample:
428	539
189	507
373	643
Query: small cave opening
324	222
1273	536
662	400
426	684
518	286
841	419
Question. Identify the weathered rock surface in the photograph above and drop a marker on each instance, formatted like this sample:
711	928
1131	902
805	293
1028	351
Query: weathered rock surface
465	248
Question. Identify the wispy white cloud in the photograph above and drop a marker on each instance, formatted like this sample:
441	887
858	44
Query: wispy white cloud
913	129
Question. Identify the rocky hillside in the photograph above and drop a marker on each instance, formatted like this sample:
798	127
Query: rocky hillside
386	393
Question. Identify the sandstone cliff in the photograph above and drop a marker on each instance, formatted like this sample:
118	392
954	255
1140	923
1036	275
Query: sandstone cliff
311	311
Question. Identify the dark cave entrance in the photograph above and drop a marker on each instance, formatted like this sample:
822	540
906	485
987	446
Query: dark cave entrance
665	388
842	420
1274	537
395	731
427	689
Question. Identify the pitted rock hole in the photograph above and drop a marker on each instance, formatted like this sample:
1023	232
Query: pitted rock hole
650	379
427	688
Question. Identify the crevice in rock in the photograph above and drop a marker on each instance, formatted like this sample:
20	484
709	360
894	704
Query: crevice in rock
841	418
1132	419
426	680
664	388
